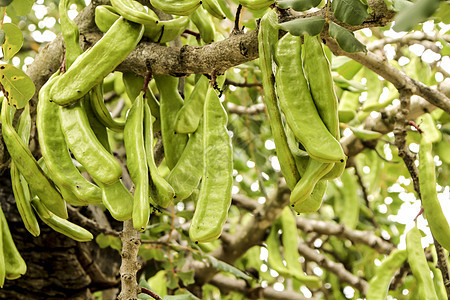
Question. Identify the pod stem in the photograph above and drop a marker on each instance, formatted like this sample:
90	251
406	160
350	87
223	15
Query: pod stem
148	77
236	29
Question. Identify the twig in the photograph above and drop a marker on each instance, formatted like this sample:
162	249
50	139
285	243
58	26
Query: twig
384	123
83	221
325	227
130	247
152	294
245	202
236	29
406	40
400	139
355	236
337	268
413	124
242	110
191	32
366	197
399	277
242	84
383	158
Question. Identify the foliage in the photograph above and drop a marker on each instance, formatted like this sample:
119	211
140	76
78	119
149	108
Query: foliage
364	215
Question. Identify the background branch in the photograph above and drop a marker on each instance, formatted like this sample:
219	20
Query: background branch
227	285
337	268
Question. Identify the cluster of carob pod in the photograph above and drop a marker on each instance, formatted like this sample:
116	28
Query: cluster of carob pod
72	120
307	141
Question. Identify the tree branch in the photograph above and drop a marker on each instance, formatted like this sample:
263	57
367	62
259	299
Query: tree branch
337	268
400	140
243	110
130	247
325	227
227	284
384	123
408	39
355	236
393	75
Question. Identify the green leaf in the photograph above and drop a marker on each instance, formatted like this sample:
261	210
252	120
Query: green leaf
148	252
345	39
13	40
5	2
298	5
312	26
172	282
365	134
223	266
109	241
352	12
417	13
349	85
158	283
399	5
18	87
443	13
22	7
389	4
349	69
186	277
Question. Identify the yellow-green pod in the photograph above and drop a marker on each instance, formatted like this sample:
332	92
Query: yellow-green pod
267	38
38	181
298	106
379	284
214	200
93	65
418	263
14	264
60	225
427	180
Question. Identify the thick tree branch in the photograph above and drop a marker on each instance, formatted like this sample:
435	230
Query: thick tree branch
336	268
130	266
